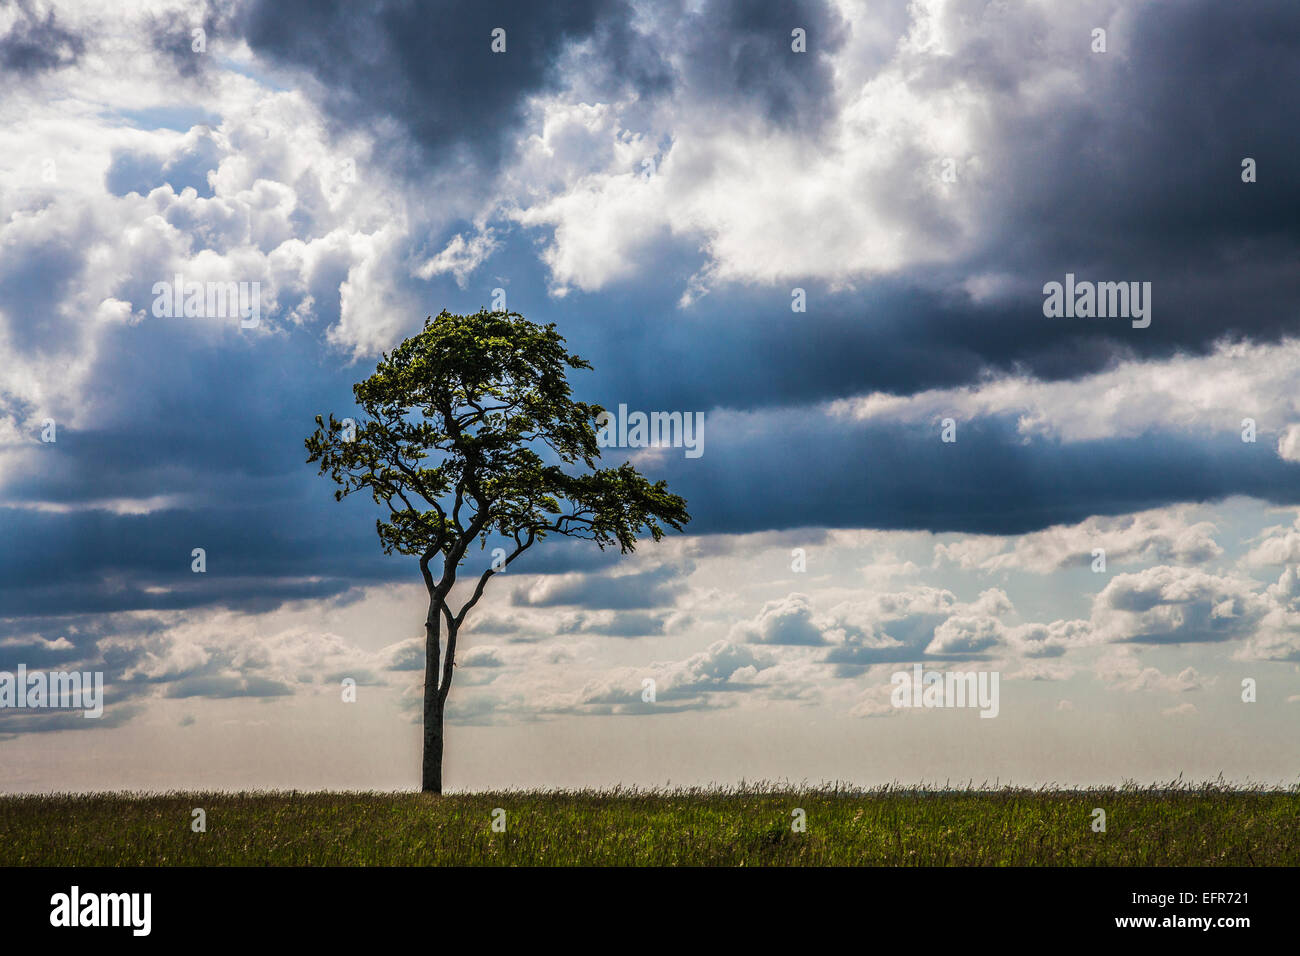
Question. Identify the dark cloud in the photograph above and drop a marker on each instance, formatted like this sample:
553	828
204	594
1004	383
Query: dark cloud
36	42
429	67
65	641
1132	175
33	277
217	686
172	36
744	348
14	722
1138	176
740	53
630	624
812	471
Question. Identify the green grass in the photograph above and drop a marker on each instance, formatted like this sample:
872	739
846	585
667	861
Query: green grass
1146	826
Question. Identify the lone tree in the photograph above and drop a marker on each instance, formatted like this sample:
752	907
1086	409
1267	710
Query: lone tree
470	431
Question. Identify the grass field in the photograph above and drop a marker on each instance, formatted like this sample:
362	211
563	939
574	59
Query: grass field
750	826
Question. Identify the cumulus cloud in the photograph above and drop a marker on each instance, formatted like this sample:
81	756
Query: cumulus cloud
918	623
1122	670
1163	535
182	655
1277	546
706	680
1184	393
1171	605
1288	443
785	621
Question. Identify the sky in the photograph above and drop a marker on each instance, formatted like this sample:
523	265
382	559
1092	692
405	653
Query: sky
830	228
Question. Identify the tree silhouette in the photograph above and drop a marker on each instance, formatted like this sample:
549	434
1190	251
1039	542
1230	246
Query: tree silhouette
470	431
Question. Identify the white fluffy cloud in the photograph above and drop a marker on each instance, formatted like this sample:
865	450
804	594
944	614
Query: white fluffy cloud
99	192
1172	605
1165	535
785	621
764	204
1277	546
1211	393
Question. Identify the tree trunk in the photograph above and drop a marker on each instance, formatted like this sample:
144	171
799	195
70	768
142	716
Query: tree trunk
431	776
